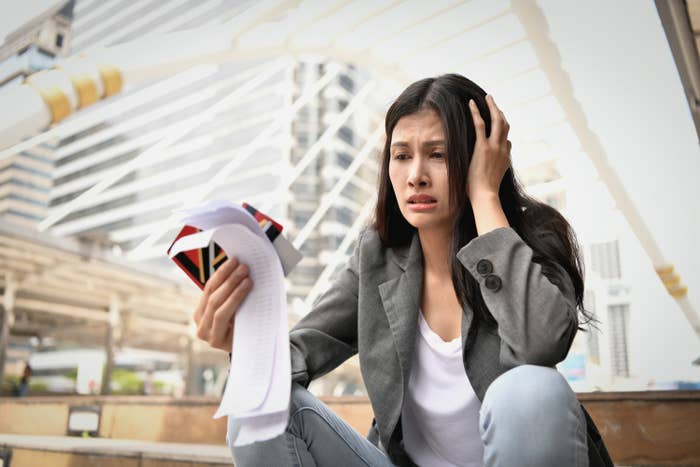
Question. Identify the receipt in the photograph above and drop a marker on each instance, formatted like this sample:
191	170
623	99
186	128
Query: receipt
257	391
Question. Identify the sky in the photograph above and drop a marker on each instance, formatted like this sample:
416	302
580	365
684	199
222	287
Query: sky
624	76
20	11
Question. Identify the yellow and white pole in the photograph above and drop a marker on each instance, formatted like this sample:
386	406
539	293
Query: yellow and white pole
49	96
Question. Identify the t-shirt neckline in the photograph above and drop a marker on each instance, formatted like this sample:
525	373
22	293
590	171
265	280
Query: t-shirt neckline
437	343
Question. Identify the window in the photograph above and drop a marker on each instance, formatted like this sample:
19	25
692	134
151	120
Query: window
592	334
618	316
605	259
59	40
342	214
344	159
301	217
334	241
346	134
347	83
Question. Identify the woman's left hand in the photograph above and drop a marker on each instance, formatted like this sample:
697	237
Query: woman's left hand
491	156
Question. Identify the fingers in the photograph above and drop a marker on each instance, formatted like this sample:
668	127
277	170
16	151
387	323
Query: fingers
221	324
221	274
217	298
499	124
220	295
212	284
496	125
479	124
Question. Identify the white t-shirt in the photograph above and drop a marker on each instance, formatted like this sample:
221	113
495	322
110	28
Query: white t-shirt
440	415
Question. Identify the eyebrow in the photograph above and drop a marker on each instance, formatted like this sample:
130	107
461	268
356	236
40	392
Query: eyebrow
426	144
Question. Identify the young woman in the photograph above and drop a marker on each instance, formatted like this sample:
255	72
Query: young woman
460	299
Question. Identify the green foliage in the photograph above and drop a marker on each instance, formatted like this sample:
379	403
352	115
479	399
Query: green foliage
9	384
159	387
37	386
72	374
126	382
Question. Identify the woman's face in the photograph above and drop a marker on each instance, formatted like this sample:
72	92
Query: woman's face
418	170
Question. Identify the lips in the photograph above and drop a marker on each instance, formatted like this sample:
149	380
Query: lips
421	199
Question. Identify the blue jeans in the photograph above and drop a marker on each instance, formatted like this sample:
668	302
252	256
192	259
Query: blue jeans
529	417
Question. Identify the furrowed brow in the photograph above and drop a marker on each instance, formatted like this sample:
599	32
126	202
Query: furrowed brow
426	144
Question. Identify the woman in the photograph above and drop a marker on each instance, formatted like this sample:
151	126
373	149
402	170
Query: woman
23	388
459	299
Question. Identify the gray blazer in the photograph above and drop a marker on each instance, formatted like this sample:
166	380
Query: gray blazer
372	309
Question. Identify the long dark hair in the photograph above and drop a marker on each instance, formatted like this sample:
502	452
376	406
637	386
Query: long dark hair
541	226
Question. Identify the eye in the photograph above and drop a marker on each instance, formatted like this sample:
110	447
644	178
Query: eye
437	154
400	156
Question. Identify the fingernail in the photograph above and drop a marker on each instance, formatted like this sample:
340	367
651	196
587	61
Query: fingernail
471	101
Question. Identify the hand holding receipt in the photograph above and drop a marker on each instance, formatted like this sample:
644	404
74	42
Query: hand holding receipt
258	386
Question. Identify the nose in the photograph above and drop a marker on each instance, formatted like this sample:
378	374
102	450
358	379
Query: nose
418	176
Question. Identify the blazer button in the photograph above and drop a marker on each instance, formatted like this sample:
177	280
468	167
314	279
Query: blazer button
493	282
484	267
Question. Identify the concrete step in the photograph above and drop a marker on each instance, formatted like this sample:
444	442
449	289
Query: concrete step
639	428
648	428
147	418
69	451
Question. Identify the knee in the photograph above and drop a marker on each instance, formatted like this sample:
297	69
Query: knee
300	398
250	454
528	388
530	416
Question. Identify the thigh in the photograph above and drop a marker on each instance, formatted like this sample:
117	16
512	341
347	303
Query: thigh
315	436
531	416
327	437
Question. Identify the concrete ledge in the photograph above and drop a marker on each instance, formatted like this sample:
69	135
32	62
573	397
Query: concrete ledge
39	447
639	428
186	420
648	427
159	419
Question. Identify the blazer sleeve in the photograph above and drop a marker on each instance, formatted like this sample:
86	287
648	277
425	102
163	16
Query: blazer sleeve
537	320
327	335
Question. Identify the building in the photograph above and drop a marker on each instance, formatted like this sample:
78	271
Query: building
25	178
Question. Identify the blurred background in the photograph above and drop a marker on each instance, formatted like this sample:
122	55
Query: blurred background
281	105
114	113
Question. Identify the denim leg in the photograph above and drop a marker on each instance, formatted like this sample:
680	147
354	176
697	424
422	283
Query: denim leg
315	436
531	417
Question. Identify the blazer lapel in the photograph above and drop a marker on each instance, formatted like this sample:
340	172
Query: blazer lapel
467	320
401	300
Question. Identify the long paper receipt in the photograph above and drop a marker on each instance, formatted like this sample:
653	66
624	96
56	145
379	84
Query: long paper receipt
256	398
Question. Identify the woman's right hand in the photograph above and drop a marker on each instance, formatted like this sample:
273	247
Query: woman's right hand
223	294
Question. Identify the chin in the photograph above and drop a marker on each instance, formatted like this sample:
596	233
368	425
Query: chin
422	221
438	219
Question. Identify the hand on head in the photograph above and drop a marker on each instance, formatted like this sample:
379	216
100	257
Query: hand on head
491	157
